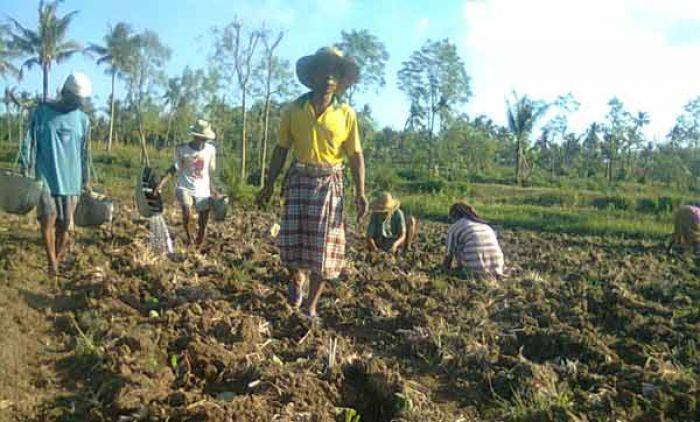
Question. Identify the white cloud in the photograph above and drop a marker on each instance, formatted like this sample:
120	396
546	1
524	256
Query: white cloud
595	49
422	26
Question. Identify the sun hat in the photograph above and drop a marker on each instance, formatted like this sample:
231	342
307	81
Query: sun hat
349	69
384	202
202	129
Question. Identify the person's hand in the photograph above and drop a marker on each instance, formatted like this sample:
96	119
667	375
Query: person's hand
87	190
264	196
214	194
361	204
395	247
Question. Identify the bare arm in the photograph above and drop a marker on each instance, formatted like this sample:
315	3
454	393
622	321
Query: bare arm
86	161
447	262
279	156
398	241
357	168
168	174
372	245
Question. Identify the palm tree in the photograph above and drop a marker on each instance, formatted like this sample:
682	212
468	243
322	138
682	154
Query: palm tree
7	54
7	99
45	45
523	113
115	53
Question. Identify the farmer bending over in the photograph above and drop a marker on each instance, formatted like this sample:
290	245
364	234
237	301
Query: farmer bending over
322	132
388	229
56	151
473	244
195	162
686	228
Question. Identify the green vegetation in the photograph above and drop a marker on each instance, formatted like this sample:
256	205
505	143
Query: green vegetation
594	320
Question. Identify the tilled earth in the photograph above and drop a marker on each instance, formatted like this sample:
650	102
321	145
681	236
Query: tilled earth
583	328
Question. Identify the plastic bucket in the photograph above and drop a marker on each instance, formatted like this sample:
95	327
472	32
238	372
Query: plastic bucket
219	208
148	201
93	210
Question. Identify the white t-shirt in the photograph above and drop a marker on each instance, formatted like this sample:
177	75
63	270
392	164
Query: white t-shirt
194	169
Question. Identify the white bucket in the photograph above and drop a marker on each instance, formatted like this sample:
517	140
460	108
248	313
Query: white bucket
93	210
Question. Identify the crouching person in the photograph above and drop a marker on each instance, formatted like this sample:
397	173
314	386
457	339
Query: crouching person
388	228
686	228
473	244
195	163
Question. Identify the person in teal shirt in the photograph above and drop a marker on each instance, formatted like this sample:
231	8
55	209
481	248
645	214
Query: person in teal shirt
55	150
388	228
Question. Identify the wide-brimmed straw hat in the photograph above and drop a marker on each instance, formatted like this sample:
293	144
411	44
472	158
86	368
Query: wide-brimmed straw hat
349	69
202	129
384	202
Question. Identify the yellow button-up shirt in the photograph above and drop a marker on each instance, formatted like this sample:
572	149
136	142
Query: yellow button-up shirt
327	139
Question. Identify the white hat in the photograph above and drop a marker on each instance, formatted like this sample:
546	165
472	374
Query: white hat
79	84
202	129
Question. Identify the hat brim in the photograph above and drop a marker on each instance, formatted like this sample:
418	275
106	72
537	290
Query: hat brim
391	206
210	136
349	68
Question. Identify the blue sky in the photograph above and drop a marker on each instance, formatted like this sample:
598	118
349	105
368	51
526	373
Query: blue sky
647	52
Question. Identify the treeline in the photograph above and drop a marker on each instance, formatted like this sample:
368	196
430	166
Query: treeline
246	80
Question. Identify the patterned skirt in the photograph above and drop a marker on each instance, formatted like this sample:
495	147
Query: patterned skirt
312	236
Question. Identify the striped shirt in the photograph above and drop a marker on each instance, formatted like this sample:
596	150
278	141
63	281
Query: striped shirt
475	247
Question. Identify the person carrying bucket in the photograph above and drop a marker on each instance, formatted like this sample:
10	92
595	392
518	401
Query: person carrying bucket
322	132
195	162
56	151
388	228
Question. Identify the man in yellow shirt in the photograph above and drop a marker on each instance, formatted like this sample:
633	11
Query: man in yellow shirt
322	133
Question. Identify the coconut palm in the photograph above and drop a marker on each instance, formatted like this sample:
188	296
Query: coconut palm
7	54
47	44
523	113
115	53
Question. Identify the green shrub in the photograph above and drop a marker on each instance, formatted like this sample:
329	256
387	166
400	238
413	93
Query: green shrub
385	179
667	204
647	205
616	202
549	199
432	185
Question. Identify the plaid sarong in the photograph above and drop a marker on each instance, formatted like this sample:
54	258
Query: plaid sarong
312	236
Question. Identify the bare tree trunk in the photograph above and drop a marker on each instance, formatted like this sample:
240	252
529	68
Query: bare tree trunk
111	115
243	137
266	121
45	68
518	154
170	124
8	116
21	125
